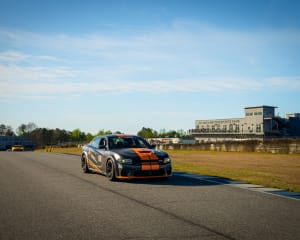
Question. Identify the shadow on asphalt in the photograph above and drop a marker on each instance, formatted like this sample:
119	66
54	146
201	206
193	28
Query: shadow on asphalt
175	180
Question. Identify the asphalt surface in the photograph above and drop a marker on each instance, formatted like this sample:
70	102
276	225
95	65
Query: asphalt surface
46	196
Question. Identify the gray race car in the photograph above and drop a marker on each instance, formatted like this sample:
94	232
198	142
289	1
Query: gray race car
119	156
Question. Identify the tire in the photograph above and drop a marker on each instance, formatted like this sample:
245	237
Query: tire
84	165
110	170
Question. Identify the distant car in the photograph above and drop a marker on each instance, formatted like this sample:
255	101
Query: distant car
119	156
15	148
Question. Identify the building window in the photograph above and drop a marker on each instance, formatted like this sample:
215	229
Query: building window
258	127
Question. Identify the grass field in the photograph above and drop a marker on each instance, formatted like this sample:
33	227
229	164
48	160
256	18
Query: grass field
270	170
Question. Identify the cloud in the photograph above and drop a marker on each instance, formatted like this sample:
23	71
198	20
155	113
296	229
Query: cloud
19	75
17	57
284	82
12	56
186	57
37	89
183	38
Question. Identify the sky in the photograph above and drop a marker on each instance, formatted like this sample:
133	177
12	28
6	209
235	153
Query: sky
123	65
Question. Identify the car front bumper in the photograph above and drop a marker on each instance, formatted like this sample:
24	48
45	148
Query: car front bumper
138	171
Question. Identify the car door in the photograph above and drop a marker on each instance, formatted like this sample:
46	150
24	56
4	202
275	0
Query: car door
99	149
92	151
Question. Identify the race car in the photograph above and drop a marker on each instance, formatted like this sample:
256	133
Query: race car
15	148
120	156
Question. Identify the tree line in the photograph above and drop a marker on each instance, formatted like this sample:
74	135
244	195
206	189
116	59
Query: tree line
163	133
46	136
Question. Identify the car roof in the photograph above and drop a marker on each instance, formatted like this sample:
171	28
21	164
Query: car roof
117	135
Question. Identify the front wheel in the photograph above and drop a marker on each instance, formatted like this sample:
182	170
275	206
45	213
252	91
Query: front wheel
84	165
110	170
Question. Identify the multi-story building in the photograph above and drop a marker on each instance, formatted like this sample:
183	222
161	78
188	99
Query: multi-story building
259	122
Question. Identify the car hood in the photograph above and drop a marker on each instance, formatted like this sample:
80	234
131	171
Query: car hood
141	153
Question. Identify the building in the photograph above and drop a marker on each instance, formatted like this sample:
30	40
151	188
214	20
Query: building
170	141
6	142
259	122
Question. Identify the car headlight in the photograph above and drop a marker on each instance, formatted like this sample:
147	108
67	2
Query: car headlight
117	156
126	161
167	160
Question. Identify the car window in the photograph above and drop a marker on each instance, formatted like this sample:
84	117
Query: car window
142	143
102	142
116	142
95	142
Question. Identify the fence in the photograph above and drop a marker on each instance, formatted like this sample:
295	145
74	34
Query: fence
285	146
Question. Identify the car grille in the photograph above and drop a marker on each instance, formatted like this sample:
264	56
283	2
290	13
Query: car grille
141	173
144	173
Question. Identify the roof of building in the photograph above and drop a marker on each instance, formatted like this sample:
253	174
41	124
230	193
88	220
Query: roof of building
263	106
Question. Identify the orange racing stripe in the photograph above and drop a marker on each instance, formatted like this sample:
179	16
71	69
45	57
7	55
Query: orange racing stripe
147	166
145	154
93	166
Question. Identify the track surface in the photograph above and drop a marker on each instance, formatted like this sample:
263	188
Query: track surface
46	196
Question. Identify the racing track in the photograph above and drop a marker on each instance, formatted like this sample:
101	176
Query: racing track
46	196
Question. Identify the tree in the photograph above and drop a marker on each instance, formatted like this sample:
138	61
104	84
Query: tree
2	129
147	133
117	132
171	134
89	137
75	135
6	130
162	133
21	130
31	126
41	136
24	129
103	132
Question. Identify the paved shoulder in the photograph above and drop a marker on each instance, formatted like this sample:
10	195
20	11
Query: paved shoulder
252	187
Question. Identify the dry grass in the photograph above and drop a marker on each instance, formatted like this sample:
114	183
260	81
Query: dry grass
70	150
270	170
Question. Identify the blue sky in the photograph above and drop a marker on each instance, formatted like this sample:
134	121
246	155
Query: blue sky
124	65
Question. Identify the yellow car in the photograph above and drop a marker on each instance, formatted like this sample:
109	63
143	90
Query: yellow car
17	148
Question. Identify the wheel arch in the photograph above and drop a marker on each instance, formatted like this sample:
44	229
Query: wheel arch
113	160
83	155
115	166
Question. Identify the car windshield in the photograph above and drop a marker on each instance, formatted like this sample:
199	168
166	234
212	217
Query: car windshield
127	142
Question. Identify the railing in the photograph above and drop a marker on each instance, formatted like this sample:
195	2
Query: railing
216	131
